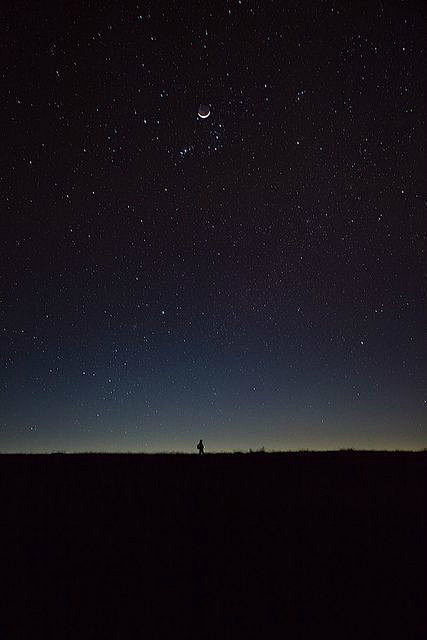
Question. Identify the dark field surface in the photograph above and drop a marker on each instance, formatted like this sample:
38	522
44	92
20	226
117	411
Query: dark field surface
257	545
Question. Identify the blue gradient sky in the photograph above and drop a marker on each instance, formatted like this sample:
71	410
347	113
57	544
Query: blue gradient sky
254	278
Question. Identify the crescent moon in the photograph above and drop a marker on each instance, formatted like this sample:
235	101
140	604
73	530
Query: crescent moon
204	111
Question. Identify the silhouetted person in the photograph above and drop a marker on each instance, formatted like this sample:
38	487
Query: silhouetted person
201	448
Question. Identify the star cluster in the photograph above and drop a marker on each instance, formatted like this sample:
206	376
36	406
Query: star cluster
255	278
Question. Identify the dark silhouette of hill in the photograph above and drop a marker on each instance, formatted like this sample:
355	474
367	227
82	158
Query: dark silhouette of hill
295	545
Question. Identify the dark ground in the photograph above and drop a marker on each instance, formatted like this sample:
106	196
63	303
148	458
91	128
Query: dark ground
258	545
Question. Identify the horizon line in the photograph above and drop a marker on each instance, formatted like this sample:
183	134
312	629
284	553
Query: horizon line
261	450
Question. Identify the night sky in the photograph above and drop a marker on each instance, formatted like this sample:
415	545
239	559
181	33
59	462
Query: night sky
255	278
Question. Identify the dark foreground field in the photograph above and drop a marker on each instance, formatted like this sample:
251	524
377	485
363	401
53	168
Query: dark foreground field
224	546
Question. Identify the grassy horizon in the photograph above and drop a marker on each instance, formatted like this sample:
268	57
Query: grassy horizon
260	451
